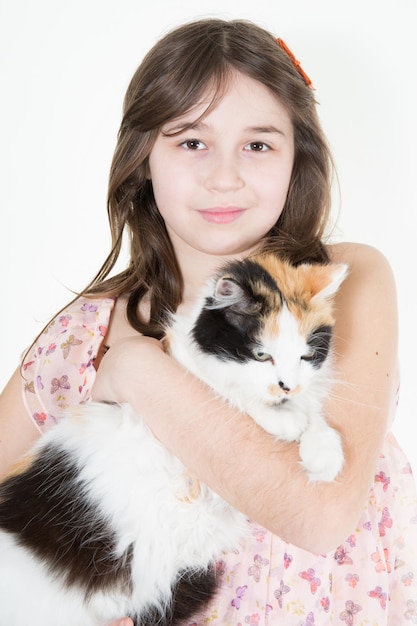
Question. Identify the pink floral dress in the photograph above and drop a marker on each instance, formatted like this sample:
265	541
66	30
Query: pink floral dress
370	579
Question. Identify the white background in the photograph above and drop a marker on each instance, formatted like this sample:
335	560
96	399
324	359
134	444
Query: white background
64	70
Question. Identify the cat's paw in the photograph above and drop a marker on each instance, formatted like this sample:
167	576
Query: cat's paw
281	422
321	453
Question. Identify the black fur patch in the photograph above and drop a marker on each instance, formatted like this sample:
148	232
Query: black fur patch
320	341
247	272
228	332
191	594
46	511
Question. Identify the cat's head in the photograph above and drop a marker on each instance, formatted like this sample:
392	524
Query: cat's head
269	323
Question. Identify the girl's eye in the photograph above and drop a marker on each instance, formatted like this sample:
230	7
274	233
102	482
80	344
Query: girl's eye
260	355
193	144
257	146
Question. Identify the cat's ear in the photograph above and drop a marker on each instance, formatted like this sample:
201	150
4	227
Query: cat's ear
328	279
228	293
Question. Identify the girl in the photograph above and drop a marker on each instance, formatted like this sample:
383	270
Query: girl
219	154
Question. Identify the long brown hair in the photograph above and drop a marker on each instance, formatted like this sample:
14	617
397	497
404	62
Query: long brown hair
170	81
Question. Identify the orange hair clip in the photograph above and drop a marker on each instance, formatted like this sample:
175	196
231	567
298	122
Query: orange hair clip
296	63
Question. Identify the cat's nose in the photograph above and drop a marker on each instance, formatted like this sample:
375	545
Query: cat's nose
284	387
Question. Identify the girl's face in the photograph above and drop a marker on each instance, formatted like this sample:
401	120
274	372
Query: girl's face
221	184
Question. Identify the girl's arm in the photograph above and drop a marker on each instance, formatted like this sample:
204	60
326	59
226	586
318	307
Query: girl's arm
17	429
236	458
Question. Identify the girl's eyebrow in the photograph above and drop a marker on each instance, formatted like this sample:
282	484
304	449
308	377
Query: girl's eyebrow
266	129
202	126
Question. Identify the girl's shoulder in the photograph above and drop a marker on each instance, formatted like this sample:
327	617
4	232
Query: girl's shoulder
368	267
84	315
371	281
59	368
357	255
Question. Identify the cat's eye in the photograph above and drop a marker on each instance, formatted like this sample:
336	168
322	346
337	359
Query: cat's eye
260	355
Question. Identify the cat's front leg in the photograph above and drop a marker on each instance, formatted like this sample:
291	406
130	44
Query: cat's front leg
321	451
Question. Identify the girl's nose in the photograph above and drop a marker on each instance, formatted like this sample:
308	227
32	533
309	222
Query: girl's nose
224	173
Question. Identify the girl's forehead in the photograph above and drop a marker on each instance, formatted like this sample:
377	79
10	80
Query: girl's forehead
204	102
244	90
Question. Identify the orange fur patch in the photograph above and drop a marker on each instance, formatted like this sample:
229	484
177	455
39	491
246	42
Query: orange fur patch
298	286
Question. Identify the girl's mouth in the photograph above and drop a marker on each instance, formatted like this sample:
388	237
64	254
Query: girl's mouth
221	215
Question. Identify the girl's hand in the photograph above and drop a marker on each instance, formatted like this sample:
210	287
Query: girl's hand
125	621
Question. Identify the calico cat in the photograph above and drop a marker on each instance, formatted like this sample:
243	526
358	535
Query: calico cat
99	521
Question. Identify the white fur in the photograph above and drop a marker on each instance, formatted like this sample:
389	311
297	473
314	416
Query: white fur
29	596
143	488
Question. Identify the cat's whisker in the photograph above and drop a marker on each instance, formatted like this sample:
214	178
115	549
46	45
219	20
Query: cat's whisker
348	393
